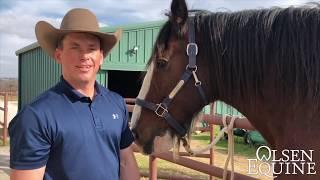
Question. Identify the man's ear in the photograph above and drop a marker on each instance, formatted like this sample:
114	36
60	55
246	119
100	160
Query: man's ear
179	12
57	55
101	57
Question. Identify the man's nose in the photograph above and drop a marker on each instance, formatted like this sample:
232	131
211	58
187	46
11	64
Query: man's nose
84	55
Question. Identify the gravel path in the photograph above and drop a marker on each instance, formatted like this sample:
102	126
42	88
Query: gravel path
4	163
4	150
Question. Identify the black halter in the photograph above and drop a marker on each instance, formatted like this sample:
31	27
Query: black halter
161	109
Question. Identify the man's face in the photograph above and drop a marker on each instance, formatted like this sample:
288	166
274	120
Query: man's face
80	57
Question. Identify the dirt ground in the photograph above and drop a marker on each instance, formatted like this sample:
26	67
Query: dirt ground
240	165
4	150
4	163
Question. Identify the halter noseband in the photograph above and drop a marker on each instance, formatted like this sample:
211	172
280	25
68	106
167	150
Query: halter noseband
161	109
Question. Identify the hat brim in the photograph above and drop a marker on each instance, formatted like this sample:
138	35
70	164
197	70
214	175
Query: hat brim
48	37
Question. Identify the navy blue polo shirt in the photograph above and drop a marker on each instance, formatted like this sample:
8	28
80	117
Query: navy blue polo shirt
74	137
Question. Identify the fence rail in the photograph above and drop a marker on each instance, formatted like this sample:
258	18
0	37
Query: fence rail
4	124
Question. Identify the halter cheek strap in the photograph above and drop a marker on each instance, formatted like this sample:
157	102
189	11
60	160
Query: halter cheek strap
161	109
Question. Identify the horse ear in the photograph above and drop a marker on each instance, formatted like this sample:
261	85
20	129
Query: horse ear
179	12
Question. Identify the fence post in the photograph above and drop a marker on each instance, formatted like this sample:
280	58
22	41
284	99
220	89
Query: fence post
212	111
5	119
153	168
211	150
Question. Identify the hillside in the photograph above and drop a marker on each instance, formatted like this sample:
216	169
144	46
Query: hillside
9	85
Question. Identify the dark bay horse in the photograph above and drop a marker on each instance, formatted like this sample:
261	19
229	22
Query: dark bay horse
265	63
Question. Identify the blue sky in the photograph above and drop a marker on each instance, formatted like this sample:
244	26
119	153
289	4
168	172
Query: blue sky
18	17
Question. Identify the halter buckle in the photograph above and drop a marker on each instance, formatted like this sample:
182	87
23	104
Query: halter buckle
197	83
192	49
161	110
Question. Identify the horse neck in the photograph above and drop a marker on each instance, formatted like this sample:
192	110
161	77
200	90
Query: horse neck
220	63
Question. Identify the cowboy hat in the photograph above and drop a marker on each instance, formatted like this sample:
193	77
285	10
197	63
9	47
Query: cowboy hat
76	20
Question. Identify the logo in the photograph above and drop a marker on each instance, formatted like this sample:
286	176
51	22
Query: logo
115	116
287	162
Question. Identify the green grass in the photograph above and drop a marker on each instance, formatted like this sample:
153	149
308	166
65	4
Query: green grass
240	148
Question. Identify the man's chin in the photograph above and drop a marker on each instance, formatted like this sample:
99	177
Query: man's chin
85	79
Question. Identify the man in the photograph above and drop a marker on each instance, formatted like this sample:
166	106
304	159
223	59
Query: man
77	129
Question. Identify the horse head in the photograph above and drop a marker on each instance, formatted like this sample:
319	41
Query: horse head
175	86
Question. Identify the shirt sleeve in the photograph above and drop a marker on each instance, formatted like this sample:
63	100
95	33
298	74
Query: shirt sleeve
29	141
126	135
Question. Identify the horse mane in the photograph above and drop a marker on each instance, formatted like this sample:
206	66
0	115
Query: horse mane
254	47
264	51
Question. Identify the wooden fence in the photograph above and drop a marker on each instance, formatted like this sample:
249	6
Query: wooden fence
4	124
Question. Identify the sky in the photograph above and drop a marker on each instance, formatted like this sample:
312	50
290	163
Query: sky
18	17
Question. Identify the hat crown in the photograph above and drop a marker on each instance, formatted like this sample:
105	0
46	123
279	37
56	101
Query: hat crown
76	20
79	19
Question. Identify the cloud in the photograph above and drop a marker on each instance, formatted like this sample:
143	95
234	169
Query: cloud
123	11
8	65
17	24
8	60
18	17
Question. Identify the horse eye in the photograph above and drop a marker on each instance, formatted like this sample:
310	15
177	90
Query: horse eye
161	63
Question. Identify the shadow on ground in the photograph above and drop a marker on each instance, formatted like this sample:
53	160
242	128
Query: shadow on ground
4	164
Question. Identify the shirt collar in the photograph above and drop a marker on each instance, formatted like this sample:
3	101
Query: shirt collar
73	93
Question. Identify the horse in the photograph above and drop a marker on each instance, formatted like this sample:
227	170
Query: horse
263	62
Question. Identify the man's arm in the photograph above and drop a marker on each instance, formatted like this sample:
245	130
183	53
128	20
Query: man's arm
30	145
34	174
128	165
